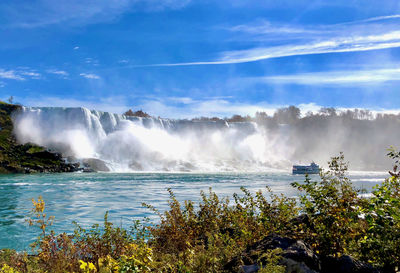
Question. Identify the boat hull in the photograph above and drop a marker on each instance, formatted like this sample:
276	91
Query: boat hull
305	172
311	169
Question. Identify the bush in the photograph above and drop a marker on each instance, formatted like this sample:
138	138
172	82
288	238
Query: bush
380	246
333	207
218	230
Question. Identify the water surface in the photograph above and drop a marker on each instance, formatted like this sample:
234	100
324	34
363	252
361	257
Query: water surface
85	197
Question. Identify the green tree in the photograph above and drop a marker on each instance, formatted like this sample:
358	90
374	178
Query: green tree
332	207
380	246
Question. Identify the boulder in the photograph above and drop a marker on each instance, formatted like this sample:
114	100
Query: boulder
296	255
136	166
95	164
345	264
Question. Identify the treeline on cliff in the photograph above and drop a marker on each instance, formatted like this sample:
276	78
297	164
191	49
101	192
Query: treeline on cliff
361	134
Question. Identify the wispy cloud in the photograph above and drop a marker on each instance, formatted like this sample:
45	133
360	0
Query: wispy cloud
297	40
183	100
262	27
167	107
265	27
10	75
346	77
173	107
30	74
110	104
40	13
91	61
224	108
336	45
378	18
90	76
19	74
61	73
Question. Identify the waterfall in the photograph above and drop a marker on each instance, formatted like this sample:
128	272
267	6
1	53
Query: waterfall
127	143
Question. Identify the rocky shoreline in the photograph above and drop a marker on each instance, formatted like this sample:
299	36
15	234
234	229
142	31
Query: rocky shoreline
26	158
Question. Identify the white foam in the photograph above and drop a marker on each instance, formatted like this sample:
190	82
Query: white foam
152	144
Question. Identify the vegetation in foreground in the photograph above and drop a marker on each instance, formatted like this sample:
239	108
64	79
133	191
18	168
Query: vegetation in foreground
205	237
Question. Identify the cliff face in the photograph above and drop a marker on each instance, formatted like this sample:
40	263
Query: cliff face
27	158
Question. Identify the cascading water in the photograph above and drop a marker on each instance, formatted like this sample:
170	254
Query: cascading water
152	144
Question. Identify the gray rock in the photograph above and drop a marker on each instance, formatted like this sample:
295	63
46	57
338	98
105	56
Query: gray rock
249	268
296	255
292	249
134	165
95	164
345	264
293	266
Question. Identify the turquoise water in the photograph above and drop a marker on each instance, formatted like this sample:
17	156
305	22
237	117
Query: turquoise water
85	197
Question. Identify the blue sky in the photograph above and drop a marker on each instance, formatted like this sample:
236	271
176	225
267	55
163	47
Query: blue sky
185	58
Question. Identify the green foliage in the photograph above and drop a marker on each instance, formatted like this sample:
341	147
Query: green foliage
10	260
333	208
204	239
27	158
35	149
7	269
271	264
38	217
99	242
381	243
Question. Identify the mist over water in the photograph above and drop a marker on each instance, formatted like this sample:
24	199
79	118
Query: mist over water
262	143
154	144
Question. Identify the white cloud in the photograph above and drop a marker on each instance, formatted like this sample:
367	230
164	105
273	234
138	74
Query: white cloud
112	104
296	40
10	75
19	74
378	18
346	77
40	13
90	76
208	108
335	45
184	100
30	74
261	27
166	108
76	48
265	27
224	108
91	61
61	73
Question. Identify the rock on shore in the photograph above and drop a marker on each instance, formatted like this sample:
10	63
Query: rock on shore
296	256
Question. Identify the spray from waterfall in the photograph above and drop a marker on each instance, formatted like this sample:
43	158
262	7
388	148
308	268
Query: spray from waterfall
153	144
